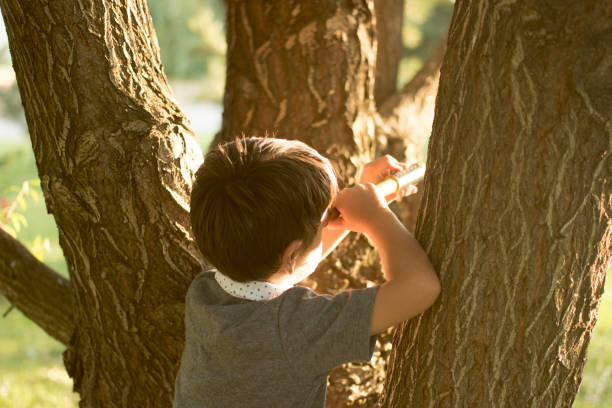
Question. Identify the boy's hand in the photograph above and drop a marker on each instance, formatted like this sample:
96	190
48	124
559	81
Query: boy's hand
379	169
361	208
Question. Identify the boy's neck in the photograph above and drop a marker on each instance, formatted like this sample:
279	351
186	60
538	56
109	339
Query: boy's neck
280	279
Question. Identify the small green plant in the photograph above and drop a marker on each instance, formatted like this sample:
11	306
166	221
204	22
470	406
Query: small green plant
12	218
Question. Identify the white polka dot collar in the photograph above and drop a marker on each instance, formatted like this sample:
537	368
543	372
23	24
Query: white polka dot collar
252	290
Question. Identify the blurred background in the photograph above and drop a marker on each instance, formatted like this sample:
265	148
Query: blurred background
192	41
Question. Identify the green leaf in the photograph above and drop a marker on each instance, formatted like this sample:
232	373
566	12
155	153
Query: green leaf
22	203
35	195
17	220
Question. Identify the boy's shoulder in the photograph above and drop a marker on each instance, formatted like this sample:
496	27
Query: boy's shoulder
314	332
305	301
297	302
319	332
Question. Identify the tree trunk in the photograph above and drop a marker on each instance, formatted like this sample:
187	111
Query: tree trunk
115	157
303	70
516	210
389	18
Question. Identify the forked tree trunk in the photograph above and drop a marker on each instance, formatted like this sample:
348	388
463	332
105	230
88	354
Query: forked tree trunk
115	158
516	209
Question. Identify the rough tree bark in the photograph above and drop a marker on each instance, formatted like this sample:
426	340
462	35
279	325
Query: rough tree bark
389	19
305	71
31	286
516	211
115	158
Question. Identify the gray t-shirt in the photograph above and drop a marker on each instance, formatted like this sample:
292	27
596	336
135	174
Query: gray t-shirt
269	353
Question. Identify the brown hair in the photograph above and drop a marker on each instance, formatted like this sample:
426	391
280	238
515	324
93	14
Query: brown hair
252	197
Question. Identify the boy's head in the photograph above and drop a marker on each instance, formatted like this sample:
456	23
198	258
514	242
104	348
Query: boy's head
253	197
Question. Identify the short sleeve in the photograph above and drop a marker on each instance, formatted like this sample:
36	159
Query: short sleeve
320	332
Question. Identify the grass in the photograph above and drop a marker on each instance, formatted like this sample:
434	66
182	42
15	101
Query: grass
31	370
32	374
596	388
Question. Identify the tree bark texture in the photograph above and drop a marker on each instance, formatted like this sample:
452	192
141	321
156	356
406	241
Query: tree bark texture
516	209
303	70
116	158
43	295
389	18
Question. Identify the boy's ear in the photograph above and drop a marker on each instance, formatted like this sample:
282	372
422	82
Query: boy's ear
290	256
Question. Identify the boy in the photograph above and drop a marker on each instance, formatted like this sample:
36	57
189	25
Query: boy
258	214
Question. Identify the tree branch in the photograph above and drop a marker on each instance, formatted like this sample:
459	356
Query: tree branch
40	293
405	118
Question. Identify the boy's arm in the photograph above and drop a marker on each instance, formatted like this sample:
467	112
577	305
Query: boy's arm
412	284
373	172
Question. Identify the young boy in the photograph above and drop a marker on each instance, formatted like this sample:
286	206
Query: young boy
259	216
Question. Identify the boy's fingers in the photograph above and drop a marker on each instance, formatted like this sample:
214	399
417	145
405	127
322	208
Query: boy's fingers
410	190
390	164
405	192
379	169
